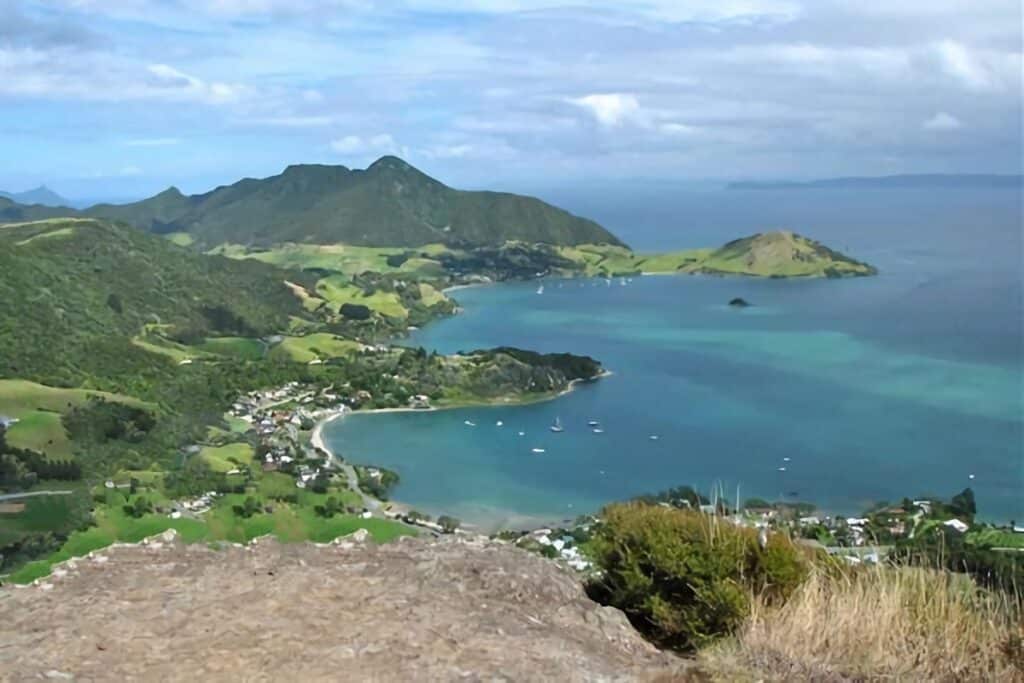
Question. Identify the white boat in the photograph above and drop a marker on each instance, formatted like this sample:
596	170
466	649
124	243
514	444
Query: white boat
469	424
593	423
598	430
499	423
537	450
522	433
557	426
782	469
540	290
653	437
785	460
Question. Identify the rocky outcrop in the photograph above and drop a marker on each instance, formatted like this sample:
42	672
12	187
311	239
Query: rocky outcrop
452	608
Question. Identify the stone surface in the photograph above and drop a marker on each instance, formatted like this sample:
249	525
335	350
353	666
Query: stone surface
454	608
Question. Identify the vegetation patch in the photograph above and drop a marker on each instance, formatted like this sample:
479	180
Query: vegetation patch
226	458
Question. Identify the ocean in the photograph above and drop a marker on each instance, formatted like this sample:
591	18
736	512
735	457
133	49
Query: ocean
843	393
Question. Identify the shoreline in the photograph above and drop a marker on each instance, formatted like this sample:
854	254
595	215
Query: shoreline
316	438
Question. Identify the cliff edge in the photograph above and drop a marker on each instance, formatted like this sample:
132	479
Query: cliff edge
410	610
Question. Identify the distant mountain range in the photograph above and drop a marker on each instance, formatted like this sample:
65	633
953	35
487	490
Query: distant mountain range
390	203
40	195
936	180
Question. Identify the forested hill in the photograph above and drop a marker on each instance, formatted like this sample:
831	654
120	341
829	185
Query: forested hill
390	203
76	292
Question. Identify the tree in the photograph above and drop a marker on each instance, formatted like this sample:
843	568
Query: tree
448	524
247	509
140	507
962	504
330	507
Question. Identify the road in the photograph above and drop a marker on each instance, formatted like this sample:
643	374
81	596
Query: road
29	494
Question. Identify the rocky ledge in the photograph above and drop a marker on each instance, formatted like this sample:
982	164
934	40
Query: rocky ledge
451	608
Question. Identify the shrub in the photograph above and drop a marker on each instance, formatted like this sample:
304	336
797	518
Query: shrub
355	311
685	578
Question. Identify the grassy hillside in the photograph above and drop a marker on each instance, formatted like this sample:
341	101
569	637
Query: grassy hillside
388	204
771	254
76	293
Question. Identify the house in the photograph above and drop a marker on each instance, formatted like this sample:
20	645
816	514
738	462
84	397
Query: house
708	509
925	505
956	524
419	401
856	521
809	521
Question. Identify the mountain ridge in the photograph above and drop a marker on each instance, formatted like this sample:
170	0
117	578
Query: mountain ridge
389	203
41	195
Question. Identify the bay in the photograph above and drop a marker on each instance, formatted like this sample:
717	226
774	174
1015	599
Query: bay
903	384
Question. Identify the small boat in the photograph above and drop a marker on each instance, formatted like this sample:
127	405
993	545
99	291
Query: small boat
597	430
593	423
540	290
499	423
522	433
557	426
653	437
537	450
785	460
782	469
622	281
469	424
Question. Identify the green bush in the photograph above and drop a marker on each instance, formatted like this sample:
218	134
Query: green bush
685	578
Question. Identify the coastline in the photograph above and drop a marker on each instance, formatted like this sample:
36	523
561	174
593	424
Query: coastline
316	438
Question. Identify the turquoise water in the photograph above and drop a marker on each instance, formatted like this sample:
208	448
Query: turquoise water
874	388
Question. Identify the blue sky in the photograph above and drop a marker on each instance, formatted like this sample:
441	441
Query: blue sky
121	98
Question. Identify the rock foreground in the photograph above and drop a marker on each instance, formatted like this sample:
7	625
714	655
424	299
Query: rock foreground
411	610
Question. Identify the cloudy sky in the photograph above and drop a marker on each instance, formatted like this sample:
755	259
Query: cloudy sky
124	97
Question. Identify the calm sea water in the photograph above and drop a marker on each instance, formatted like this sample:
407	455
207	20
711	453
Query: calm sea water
874	388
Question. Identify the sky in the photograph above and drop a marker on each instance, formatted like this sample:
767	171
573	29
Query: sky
122	98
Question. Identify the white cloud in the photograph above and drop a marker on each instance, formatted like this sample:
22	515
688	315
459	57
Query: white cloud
152	142
942	122
288	121
610	109
381	143
677	129
176	82
976	69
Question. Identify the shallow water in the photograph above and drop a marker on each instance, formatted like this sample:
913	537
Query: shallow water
874	388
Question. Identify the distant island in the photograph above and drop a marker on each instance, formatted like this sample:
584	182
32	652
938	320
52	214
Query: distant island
923	180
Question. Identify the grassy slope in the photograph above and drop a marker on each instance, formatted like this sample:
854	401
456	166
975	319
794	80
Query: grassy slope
226	458
39	409
320	345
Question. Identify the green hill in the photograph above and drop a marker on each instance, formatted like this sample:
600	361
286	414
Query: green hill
76	293
390	203
777	254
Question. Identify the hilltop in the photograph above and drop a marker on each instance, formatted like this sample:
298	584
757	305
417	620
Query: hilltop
776	254
409	610
390	203
40	195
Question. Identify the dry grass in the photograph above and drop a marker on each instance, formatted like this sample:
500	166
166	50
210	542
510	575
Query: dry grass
878	623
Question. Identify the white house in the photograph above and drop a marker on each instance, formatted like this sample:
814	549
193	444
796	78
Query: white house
956	524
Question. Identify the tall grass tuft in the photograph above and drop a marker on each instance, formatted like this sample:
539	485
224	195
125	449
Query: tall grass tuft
878	623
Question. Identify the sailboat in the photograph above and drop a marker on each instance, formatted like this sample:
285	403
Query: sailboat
557	426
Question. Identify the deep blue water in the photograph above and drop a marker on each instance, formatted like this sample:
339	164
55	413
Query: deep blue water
874	388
